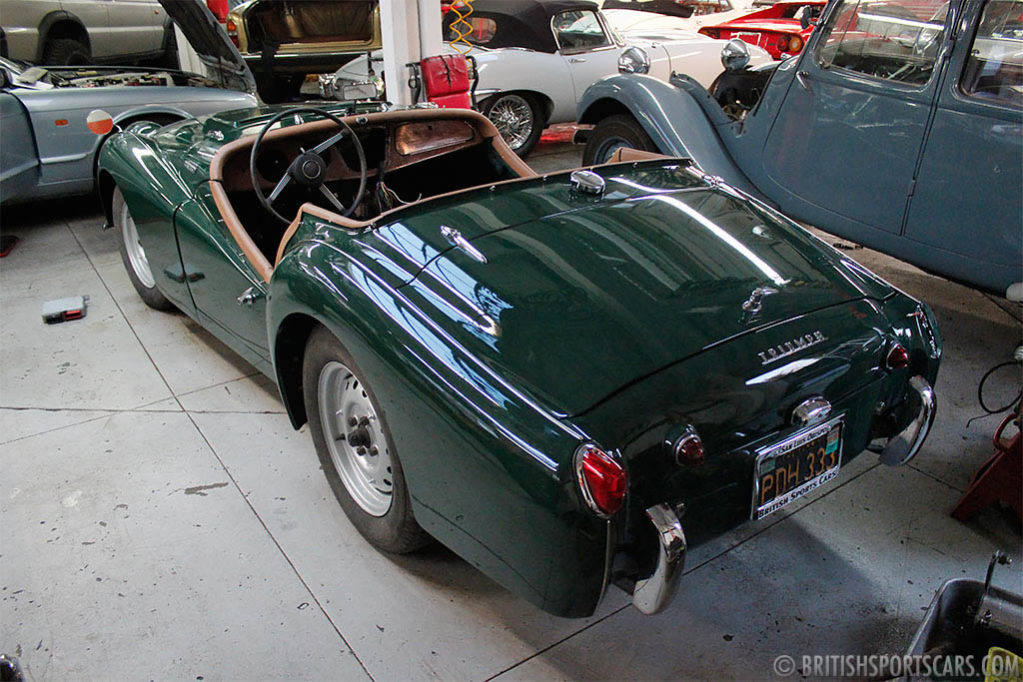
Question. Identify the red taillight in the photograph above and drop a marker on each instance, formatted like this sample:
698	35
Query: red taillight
232	31
782	43
898	358
689	448
601	479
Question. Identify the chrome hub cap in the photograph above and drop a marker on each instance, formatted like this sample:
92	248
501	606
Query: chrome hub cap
136	254
513	118
355	439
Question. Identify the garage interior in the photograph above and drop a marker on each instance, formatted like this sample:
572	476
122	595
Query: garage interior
162	519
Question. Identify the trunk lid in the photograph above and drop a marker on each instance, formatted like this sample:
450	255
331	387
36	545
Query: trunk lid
576	305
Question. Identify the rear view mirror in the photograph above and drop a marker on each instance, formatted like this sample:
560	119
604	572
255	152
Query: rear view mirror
806	17
358	91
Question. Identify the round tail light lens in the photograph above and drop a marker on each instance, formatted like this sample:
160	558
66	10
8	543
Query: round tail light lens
783	43
689	448
898	358
601	479
796	44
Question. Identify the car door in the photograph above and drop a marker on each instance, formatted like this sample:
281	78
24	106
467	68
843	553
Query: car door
228	293
850	131
586	45
137	26
968	203
19	163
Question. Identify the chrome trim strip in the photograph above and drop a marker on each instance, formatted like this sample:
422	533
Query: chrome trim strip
654	593
64	159
903	447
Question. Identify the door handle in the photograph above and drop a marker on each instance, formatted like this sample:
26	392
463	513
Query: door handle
801	78
576	60
249	296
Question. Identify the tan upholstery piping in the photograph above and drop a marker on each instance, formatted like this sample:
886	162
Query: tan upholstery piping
627	154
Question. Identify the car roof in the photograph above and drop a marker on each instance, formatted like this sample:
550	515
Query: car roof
522	23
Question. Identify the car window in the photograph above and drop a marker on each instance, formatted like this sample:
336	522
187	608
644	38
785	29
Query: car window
579	30
994	69
481	30
893	40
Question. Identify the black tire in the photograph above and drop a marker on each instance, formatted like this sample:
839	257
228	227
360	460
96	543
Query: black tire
494	106
613	132
66	52
395	531
147	290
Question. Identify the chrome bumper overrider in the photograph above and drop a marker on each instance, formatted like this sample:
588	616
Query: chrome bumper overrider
903	447
654	593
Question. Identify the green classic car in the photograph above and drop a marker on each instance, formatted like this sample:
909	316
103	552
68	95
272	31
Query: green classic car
564	378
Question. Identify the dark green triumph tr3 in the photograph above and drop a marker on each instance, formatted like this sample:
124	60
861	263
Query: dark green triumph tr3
564	378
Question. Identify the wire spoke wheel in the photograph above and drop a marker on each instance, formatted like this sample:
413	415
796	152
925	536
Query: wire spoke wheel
513	118
133	247
355	439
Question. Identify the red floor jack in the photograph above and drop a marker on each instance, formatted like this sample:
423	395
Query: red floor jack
1001	477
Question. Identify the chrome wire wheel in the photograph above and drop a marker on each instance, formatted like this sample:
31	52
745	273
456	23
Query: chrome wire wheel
133	247
355	439
513	118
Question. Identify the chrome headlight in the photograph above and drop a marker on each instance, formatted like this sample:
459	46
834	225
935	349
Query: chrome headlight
735	55
634	60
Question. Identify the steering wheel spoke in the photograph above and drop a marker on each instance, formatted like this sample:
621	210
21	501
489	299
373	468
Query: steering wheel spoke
280	187
332	198
329	142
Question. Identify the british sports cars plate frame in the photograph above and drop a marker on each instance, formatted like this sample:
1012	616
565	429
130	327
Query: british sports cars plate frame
815	452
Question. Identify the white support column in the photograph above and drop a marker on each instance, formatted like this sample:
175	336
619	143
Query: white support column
399	29
431	42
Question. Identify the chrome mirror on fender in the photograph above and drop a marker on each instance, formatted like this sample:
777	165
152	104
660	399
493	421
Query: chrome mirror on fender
633	60
735	55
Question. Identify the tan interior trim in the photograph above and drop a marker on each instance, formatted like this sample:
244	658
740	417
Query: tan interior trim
241	236
626	154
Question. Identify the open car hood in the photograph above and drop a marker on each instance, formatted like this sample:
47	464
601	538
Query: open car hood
210	41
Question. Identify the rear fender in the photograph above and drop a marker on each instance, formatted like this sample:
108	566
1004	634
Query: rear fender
680	117
489	474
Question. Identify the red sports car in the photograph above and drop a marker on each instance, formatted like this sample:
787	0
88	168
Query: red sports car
778	28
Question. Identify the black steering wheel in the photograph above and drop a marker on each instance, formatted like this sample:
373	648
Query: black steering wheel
308	169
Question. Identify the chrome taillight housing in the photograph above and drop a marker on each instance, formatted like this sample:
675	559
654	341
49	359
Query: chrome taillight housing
601	478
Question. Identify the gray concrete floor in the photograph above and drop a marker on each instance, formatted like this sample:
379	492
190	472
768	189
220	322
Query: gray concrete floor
160	519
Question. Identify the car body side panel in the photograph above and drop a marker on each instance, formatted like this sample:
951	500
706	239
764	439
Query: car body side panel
509	69
489	473
19	164
67	153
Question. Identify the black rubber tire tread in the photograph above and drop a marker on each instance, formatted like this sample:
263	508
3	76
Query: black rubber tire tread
66	52
624	126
